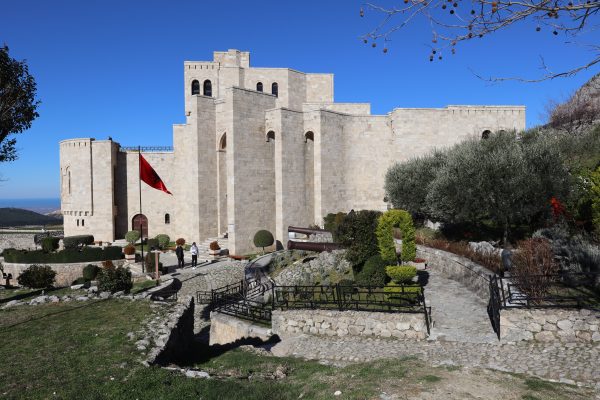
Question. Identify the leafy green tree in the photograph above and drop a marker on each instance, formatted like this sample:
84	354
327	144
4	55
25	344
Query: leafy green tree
407	184
263	238
17	102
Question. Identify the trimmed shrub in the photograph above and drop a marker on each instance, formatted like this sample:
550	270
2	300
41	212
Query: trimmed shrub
129	250
332	221
180	242
214	246
90	272
385	237
357	233
87	254
401	273
111	279
132	236
74	242
163	240
49	244
150	243
372	273
37	277
263	238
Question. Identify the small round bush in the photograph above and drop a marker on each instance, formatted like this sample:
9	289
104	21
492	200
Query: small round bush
163	240
37	277
152	243
90	272
132	236
49	244
401	273
180	242
129	249
263	238
373	272
214	246
111	279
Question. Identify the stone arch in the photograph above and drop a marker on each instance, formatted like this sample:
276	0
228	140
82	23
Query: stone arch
140	221
195	87
309	136
207	87
270	136
385	237
259	87
486	134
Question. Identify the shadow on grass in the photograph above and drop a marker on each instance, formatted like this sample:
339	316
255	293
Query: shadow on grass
51	314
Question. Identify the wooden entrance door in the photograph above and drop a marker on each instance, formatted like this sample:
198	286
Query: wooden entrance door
140	220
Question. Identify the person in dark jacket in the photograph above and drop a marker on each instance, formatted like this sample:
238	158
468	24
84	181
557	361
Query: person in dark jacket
179	253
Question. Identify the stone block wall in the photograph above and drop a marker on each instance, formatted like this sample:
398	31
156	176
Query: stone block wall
458	268
65	273
549	325
176	343
349	323
226	329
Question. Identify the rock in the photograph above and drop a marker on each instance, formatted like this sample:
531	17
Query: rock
12	303
190	373
403	326
130	335
337	393
39	300
104	295
93	289
77	287
53	299
142	342
596	337
565	325
82	298
119	294
545	336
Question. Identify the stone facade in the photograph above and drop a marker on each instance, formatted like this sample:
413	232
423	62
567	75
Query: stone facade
549	325
349	323
248	159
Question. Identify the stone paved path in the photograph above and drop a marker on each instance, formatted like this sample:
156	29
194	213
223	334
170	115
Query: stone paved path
569	364
458	314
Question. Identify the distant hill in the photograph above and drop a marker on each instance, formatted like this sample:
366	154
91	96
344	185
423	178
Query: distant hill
20	217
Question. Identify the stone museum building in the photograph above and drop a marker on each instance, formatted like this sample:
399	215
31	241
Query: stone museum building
261	148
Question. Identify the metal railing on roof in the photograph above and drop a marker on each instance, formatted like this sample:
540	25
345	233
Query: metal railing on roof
147	149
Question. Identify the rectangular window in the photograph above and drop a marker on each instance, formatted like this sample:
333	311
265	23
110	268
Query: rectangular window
77	222
83	222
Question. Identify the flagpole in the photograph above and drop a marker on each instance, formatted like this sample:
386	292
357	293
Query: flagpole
141	220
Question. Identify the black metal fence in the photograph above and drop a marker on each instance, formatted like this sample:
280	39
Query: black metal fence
494	304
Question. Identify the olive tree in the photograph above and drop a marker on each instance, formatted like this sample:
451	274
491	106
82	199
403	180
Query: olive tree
17	102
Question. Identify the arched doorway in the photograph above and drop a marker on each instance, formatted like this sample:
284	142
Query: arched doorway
140	220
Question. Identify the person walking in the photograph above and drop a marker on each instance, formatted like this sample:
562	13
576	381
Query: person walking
179	253
194	251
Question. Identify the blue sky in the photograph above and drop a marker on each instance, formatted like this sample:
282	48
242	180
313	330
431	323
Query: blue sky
114	68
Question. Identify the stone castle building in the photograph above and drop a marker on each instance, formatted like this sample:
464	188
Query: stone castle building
261	148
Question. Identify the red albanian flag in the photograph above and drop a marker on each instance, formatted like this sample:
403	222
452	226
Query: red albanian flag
149	175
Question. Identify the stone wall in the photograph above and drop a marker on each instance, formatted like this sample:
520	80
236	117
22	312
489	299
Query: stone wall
176	342
226	329
349	323
549	325
458	268
65	273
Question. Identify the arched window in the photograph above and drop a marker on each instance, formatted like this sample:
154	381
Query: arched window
259	87
486	134
69	182
275	89
195	87
167	219
223	142
207	88
270	136
309	136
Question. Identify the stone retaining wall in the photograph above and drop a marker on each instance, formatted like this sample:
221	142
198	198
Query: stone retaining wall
178	340
226	329
65	273
458	268
549	325
350	323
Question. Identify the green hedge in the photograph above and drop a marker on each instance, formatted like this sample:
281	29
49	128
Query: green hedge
73	242
401	273
49	244
385	237
372	273
66	256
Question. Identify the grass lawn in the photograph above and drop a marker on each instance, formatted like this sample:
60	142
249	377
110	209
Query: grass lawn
81	351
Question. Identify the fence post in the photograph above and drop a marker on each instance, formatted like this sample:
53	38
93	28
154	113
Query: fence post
338	292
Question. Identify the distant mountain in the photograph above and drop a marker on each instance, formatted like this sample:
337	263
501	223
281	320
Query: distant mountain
20	217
